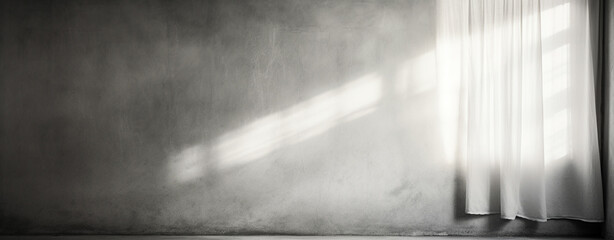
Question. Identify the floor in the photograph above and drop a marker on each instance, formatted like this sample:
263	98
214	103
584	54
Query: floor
273	237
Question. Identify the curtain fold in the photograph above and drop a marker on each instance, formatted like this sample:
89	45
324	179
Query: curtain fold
527	70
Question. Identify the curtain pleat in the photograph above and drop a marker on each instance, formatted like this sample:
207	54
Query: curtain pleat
528	71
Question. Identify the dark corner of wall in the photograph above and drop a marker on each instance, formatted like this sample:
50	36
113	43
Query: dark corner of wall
606	109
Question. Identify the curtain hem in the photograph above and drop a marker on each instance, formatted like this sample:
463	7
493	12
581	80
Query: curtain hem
540	220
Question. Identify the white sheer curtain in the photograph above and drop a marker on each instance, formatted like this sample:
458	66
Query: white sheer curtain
524	72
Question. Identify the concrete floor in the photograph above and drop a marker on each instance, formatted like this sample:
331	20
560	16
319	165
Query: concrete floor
108	237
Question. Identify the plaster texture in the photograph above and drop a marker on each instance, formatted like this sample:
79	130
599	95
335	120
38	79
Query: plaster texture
230	117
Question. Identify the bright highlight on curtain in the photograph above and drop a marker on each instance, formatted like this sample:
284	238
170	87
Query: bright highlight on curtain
525	71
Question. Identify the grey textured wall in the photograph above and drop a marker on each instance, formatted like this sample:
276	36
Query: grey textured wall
208	117
608	77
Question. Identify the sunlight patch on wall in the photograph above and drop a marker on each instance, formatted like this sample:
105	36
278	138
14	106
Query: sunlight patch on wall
188	164
277	130
299	122
416	76
450	61
449	79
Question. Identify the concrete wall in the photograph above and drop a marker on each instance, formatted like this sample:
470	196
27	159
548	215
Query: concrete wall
608	139
209	117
